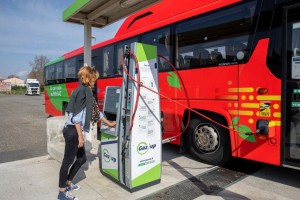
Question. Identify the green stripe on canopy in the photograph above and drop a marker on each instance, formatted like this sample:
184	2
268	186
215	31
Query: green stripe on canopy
72	9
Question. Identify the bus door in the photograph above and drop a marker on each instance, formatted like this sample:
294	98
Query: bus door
291	87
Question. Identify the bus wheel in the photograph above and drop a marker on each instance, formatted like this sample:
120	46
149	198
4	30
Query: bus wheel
209	142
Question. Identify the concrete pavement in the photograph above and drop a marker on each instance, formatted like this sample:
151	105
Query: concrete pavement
37	178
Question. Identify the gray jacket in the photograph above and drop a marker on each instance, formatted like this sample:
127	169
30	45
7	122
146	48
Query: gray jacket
82	98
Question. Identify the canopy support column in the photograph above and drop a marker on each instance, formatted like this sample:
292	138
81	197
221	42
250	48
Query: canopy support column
88	61
87	43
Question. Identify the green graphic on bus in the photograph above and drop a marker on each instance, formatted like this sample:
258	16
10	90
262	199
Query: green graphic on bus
57	94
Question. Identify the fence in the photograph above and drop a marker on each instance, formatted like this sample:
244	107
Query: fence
5	87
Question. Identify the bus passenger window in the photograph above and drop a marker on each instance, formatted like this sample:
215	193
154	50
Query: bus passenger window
94	62
204	56
108	62
232	49
216	57
118	71
180	61
48	73
214	40
160	39
52	74
70	70
59	73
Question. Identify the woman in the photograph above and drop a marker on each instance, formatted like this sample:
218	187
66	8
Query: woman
82	109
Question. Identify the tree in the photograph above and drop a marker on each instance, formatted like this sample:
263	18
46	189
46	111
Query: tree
37	65
12	76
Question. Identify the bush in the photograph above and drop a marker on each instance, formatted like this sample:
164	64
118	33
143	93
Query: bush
18	89
42	88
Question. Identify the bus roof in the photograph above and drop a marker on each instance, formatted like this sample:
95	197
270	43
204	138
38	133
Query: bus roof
156	16
74	52
101	13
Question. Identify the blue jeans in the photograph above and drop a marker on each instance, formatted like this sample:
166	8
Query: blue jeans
71	152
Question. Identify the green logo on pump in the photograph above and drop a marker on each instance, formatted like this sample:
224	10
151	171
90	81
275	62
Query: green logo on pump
108	157
143	148
105	155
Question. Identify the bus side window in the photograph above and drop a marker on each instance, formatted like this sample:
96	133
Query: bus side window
213	33
216	56
48	75
59	73
119	69
232	49
105	64
204	56
188	60
52	74
163	65
70	70
180	61
108	61
160	39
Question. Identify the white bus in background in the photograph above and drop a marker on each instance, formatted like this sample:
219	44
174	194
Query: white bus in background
32	87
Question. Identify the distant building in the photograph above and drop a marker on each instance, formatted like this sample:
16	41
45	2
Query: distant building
1	79
15	81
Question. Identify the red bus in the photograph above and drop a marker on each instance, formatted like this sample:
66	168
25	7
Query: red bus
237	67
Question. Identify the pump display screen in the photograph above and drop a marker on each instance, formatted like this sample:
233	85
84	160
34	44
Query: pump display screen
111	106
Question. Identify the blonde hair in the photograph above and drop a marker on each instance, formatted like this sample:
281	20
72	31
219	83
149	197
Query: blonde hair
87	74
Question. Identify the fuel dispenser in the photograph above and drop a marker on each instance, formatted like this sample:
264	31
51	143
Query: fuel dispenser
131	151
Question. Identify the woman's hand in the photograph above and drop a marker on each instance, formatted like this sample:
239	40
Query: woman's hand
80	141
113	124
109	123
80	136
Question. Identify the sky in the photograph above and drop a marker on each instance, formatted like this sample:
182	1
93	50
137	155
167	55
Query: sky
30	28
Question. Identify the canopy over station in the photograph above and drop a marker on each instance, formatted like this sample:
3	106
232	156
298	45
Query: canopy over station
100	13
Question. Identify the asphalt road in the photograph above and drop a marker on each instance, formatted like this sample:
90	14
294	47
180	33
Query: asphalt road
22	127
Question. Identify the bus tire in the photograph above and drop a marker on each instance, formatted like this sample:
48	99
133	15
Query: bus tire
209	142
